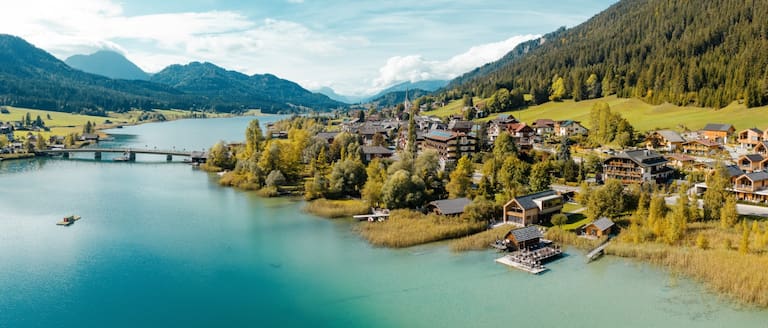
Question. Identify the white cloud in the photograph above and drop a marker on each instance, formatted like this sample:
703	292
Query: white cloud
415	68
226	38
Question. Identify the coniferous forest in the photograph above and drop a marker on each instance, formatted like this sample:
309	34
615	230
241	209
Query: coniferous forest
705	53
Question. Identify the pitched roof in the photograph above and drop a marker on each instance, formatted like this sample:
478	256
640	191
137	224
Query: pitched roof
526	233
460	125
543	123
451	206
708	143
327	135
757	176
755	130
641	157
717	127
603	223
671	136
527	201
734	171
376	150
753	157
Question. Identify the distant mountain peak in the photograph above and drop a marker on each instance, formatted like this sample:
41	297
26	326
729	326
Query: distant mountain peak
107	63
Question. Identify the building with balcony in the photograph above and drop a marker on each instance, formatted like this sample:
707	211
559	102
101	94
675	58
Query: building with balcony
752	163
636	166
533	208
701	147
450	145
750	138
718	132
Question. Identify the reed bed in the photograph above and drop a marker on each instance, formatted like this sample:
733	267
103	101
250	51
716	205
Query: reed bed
406	228
479	241
742	277
334	209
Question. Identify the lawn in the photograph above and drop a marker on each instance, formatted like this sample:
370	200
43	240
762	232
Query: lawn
60	123
641	115
453	107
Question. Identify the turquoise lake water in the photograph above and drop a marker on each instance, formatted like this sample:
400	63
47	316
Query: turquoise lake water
162	245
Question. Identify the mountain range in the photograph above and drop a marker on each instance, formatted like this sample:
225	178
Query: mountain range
107	63
31	77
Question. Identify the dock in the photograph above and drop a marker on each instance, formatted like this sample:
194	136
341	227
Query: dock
531	260
595	253
376	215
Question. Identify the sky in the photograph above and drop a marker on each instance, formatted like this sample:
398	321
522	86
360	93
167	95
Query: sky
354	47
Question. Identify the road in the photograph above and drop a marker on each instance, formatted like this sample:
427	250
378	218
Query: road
743	209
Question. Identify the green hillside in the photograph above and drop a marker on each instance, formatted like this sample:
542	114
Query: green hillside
643	116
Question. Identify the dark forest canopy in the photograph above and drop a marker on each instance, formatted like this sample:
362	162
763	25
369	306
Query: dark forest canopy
705	53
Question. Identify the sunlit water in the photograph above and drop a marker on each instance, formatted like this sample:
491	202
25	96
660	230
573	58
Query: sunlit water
161	244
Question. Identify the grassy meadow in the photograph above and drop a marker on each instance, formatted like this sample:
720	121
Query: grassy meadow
641	115
406	228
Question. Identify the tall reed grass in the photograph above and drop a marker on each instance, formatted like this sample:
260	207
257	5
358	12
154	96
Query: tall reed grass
406	228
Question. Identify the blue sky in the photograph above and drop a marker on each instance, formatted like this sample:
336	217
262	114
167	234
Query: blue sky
355	47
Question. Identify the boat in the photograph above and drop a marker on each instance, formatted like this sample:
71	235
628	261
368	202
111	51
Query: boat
120	159
68	220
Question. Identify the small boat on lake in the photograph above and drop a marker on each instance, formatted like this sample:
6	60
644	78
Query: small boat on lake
120	159
68	220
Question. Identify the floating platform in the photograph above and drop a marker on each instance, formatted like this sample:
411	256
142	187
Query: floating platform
65	223
510	261
530	260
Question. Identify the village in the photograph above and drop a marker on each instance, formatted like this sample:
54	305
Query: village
661	158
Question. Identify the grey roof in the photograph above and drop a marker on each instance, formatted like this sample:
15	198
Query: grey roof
376	150
642	157
526	233
757	176
327	135
734	171
754	157
717	127
451	206
603	223
755	130
671	136
527	201
460	125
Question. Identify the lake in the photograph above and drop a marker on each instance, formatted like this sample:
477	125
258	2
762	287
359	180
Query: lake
161	244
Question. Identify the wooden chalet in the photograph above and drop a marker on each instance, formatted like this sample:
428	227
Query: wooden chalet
371	152
533	208
543	126
718	132
450	145
636	166
524	238
569	128
701	147
750	138
449	207
664	140
761	148
599	228
327	136
752	162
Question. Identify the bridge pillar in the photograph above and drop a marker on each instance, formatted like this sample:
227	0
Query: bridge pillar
169	157
131	156
97	155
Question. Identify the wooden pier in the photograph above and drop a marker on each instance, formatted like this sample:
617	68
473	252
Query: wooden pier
376	215
595	253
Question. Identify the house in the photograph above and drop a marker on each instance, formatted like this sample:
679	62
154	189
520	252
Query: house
7	130
680	160
371	152
524	237
448	207
543	127
700	147
761	148
636	166
750	138
460	126
718	132
533	208
599	228
522	134
752	162
569	128
498	125
450	145
752	187
327	136
664	140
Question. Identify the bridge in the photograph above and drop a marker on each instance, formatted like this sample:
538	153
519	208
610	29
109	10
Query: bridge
130	153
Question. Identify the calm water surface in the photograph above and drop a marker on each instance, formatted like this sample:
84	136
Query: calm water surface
161	244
